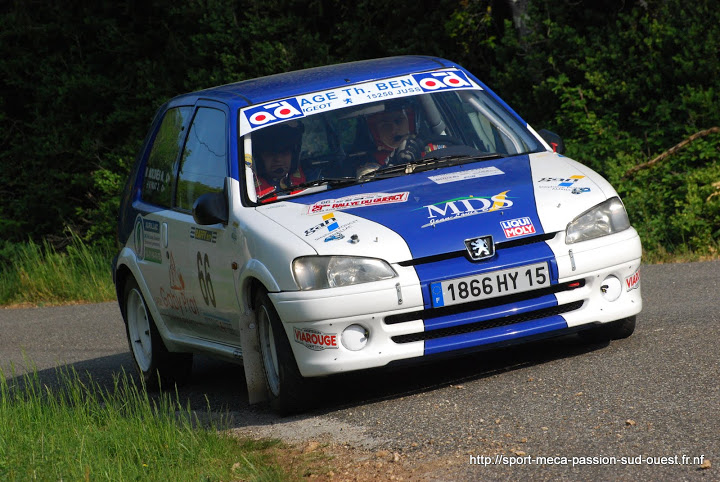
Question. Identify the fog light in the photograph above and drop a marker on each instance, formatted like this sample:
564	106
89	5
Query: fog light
355	337
611	288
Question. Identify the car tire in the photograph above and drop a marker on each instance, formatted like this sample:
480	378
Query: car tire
158	367
288	391
615	330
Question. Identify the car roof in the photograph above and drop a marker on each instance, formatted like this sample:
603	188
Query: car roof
289	84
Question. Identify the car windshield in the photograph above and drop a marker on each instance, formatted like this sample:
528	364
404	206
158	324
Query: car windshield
386	138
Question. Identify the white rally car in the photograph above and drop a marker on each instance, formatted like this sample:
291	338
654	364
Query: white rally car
357	215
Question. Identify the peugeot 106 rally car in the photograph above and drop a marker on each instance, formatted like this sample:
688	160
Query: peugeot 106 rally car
357	215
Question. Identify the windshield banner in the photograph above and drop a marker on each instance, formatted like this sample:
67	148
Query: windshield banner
258	116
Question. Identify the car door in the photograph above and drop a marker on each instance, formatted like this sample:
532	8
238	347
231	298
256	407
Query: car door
153	207
200	257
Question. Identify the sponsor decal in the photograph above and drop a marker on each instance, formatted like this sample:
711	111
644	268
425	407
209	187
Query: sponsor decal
333	228
176	298
272	113
633	281
463	175
480	248
203	234
357	201
561	183
328	221
517	227
147	240
462	207
256	117
442	80
580	190
316	340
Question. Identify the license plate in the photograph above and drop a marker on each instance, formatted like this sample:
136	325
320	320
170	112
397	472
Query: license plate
490	285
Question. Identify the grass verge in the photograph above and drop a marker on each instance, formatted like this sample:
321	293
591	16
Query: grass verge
77	430
39	274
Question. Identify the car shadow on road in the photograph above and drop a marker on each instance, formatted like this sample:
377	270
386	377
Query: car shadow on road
361	388
218	388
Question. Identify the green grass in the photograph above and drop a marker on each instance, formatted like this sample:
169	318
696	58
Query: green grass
35	274
77	430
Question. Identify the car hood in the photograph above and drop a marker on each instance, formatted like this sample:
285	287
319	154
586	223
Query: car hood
434	212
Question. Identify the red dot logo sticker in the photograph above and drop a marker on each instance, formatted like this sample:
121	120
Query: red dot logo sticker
443	79
273	112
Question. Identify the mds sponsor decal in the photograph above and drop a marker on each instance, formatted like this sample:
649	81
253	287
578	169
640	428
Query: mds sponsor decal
462	207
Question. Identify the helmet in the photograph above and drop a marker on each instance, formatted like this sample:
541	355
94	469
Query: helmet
385	135
278	138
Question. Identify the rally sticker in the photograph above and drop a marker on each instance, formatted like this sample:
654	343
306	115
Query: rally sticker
465	206
203	234
357	201
633	281
316	340
517	227
147	240
463	175
328	221
442	80
263	115
561	183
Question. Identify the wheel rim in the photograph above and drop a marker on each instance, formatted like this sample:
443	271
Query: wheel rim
268	350
139	330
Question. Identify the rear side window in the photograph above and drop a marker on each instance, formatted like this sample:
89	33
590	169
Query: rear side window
160	167
203	166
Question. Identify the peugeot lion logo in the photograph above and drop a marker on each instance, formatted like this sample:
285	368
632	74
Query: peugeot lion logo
480	248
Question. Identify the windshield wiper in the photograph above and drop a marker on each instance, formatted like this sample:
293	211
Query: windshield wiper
332	181
429	164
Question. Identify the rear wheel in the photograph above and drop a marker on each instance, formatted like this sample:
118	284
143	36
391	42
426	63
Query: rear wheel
157	366
288	391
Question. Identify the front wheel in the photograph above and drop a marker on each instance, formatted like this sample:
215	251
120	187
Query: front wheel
157	366
288	391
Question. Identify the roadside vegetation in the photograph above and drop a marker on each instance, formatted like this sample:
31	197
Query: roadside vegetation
36	274
632	86
75	429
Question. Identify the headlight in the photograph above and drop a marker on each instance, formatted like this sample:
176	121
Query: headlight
319	272
606	218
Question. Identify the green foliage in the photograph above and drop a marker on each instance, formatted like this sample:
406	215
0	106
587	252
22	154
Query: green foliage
621	81
75	429
38	273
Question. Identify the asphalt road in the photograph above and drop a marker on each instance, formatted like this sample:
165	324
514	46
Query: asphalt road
643	408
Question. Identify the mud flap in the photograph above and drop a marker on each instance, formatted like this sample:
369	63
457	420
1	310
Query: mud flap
252	361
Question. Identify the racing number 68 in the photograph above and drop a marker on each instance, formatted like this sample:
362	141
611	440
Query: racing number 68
206	287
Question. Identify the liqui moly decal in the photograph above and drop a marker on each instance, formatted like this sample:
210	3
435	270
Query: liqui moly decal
273	112
316	340
517	227
442	80
458	208
633	281
357	201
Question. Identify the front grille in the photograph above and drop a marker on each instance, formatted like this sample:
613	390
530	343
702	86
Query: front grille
463	253
487	324
478	305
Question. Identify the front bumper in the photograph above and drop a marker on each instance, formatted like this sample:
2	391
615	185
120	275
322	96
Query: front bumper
402	324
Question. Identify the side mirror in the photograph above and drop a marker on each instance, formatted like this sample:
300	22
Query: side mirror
554	140
211	208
